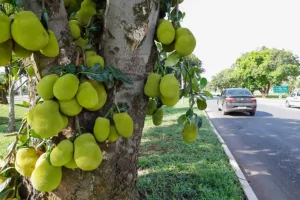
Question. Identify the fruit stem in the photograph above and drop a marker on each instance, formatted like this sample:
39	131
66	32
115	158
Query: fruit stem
40	144
108	112
77	125
117	107
177	9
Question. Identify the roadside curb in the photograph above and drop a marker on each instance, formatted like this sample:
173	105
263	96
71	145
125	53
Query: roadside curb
245	185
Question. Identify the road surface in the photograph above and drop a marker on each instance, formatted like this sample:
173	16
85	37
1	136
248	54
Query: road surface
266	146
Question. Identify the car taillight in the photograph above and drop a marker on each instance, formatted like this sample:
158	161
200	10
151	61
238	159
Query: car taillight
253	100
230	100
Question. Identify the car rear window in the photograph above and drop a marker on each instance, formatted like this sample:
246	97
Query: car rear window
238	92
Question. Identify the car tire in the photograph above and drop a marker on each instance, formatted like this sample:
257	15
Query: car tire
252	113
223	112
219	109
287	104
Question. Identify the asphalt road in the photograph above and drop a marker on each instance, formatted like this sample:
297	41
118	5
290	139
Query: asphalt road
266	147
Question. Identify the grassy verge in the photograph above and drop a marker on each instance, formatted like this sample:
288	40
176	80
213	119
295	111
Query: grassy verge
172	169
272	96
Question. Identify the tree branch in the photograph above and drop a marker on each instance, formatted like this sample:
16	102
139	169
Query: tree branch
21	85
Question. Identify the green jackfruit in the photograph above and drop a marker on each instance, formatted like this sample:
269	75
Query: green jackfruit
70	107
62	153
88	137
151	88
71	165
81	42
21	51
92	60
90	53
52	48
85	13
151	107
189	132
46	177
65	121
157	117
101	129
124	124
87	96
102	95
25	161
87	153
170	102
165	32
45	119
180	32
185	42
66	86
28	31
75	29
5	52
42	157
45	86
5	28
169	86
113	134
88	3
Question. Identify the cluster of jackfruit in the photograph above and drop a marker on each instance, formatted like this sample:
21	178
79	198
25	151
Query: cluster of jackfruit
167	88
181	40
23	36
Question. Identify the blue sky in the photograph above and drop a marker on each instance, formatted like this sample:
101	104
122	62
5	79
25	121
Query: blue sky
225	29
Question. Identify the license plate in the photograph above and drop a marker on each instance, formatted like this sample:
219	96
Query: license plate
242	108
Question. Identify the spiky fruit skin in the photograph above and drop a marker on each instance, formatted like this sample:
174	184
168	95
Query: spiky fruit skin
185	42
113	134
101	129
151	107
102	95
45	119
52	48
81	42
92	60
85	13
66	86
71	165
21	51
87	154
46	177
169	86
151	88
25	161
165	32
157	117
5	52
124	124
87	96
189	132
45	86
28	31
5	28
70	107
62	153
75	29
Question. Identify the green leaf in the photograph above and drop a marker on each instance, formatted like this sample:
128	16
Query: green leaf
172	59
23	138
5	192
198	122
3	185
201	104
181	119
203	82
195	85
34	134
56	69
189	113
124	107
158	46
70	69
31	72
44	19
207	93
26	104
73	16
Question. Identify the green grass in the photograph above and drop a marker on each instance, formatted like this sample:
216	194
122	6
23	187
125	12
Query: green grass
272	96
172	169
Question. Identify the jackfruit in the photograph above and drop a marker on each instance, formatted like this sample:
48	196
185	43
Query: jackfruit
75	29
102	95
52	48
66	86
101	129
170	102
65	121
189	132
87	96
113	134
5	52
185	42
70	107
151	88
124	124
151	107
46	177
28	31
81	42
87	153
88	3
45	86
25	161
92	60
4	27
157	117
62	153
45	119
169	86
71	165
165	32
90	53
85	13
21	51
180	32
42	157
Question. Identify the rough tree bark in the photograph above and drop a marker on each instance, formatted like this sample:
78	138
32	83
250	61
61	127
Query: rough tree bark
127	45
265	91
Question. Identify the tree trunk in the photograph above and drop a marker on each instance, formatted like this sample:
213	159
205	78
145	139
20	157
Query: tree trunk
3	98
11	115
127	45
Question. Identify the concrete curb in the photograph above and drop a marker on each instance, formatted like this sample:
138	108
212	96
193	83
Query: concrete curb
245	185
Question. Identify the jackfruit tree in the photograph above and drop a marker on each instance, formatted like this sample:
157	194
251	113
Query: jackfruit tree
101	66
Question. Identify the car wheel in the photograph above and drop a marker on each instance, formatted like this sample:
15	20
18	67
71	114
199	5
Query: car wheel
223	112
252	113
219	109
287	104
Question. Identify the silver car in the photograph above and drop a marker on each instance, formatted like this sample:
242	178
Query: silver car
293	99
237	100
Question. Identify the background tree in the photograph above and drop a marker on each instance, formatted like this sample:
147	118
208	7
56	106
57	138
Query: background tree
224	79
4	85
